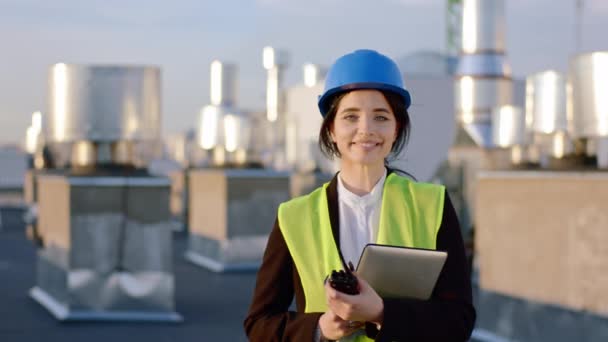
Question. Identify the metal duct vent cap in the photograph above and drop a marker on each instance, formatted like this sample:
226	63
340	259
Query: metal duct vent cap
546	102
103	103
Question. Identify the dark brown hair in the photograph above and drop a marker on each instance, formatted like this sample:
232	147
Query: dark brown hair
395	101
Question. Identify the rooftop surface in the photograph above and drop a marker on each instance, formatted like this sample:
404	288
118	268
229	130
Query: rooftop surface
213	305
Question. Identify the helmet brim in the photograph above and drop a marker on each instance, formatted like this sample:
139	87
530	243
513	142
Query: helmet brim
326	99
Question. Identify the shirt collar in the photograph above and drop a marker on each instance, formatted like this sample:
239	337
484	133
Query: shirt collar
368	199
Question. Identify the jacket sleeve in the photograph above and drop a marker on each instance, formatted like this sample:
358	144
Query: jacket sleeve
269	318
449	315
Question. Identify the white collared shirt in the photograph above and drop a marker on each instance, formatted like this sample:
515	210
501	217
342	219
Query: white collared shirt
359	219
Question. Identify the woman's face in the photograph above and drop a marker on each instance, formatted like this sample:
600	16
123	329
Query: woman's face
364	127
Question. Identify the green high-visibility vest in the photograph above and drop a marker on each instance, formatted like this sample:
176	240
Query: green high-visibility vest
410	216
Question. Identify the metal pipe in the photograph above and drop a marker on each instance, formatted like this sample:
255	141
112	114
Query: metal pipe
313	74
274	62
223	87
483	77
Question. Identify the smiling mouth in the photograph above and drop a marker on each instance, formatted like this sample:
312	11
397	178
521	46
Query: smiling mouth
366	144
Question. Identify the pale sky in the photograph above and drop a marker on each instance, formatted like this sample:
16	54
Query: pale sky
184	36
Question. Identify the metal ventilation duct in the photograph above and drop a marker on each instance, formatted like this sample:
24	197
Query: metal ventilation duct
223	90
483	76
33	134
483	26
222	128
589	85
313	74
588	108
103	103
274	62
546	102
546	113
508	127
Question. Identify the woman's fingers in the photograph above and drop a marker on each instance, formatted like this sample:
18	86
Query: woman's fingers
342	304
334	328
354	325
343	309
348	327
366	306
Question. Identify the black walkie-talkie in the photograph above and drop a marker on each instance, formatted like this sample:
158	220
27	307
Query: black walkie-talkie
344	281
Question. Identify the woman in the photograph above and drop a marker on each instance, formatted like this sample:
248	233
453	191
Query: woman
365	120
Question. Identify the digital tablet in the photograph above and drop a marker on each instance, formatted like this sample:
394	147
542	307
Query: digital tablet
401	272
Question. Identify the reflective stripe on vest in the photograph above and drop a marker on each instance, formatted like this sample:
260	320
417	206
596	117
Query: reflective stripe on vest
410	216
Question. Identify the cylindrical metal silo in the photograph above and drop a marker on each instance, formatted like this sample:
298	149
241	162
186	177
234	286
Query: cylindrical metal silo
483	77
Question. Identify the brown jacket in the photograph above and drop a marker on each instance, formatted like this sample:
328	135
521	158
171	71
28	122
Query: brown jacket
448	316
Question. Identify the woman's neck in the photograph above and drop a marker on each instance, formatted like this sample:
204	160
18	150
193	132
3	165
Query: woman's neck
361	179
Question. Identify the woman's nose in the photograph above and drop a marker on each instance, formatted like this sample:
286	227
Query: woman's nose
365	125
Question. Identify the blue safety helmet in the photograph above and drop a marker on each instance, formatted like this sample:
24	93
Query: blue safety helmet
362	69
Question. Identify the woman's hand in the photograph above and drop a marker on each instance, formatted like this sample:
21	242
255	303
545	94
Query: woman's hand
334	328
367	306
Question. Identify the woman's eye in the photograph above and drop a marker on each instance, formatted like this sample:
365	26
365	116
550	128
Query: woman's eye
381	118
350	117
